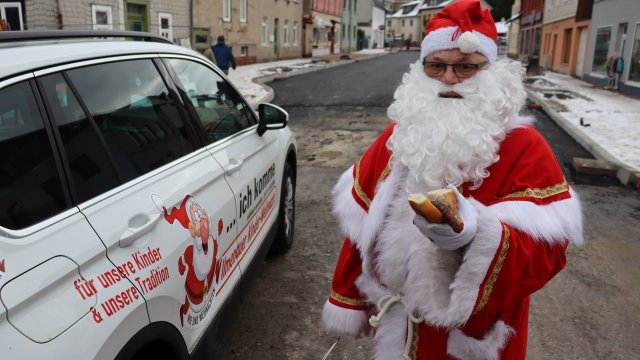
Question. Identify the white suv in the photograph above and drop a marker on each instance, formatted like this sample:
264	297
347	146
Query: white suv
136	189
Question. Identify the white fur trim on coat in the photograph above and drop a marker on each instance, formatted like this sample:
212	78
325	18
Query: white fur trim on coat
344	322
464	347
452	290
559	221
350	214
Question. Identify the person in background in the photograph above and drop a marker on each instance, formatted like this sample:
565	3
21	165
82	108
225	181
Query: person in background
223	55
208	53
431	292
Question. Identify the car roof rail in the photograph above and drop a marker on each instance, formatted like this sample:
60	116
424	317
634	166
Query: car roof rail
37	35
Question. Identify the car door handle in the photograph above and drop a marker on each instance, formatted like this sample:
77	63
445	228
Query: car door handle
234	165
132	234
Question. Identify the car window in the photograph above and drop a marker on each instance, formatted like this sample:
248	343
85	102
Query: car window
30	185
139	121
221	110
91	170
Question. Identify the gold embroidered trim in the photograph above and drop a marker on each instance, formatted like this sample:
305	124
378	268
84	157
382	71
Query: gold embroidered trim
356	185
386	171
346	300
494	274
414	342
540	193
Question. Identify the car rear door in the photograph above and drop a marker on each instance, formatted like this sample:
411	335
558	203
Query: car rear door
252	164
164	218
50	257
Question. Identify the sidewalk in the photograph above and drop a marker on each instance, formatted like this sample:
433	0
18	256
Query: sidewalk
606	123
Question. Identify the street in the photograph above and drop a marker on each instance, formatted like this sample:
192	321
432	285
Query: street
591	310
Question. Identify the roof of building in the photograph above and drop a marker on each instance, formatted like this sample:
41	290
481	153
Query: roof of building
409	9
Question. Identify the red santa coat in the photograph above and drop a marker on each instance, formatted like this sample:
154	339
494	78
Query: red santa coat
472	303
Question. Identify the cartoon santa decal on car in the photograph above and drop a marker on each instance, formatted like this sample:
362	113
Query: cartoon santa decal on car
198	259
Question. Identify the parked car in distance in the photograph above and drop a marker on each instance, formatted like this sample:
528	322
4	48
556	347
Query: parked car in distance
137	189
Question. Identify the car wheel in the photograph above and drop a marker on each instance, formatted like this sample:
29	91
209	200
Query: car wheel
287	216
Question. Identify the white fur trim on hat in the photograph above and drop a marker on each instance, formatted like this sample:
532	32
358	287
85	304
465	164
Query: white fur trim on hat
467	42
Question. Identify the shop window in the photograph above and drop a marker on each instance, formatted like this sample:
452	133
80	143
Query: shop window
634	68
603	38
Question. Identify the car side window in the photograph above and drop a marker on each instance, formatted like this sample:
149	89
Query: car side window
141	124
91	170
221	110
30	185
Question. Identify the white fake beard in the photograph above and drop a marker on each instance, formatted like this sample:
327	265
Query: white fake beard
451	141
202	262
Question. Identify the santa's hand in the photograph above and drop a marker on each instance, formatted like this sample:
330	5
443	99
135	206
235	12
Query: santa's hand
181	266
442	234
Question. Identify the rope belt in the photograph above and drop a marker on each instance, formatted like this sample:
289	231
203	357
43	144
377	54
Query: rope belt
384	304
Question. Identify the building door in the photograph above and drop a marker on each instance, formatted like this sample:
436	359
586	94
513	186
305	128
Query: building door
137	16
11	13
276	48
581	45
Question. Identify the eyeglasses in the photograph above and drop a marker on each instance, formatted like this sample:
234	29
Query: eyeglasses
437	69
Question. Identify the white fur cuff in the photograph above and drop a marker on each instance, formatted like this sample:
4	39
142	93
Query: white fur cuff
464	347
344	322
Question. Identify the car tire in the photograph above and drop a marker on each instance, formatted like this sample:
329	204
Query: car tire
287	215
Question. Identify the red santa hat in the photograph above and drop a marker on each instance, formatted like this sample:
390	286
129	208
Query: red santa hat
181	213
462	25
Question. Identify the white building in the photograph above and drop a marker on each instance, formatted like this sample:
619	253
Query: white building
404	24
370	24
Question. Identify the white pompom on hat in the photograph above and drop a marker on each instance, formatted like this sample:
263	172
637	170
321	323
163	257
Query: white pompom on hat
462	25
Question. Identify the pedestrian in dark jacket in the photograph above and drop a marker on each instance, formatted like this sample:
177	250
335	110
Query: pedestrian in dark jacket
224	56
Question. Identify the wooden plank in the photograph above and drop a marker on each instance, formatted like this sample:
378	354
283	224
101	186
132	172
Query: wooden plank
593	167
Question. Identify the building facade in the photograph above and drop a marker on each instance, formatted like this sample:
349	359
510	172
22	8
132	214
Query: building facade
513	44
257	31
564	36
370	24
349	26
614	35
327	17
404	25
169	18
531	20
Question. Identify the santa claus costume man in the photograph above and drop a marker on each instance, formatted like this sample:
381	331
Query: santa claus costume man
431	293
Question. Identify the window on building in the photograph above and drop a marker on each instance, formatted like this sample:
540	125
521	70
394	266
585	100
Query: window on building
244	51
566	46
265	31
226	10
603	38
389	23
11	13
285	33
295	33
166	26
403	23
101	16
243	10
343	31
410	22
634	69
